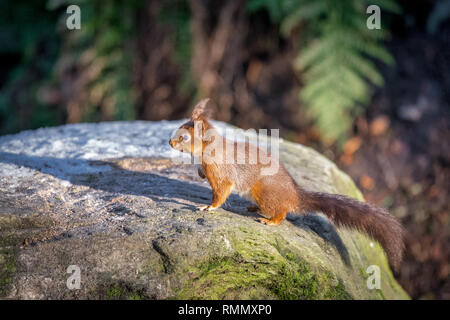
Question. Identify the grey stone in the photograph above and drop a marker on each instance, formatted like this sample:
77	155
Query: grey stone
111	199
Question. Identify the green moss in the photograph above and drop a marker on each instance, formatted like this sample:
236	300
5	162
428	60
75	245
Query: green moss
243	229
250	274
222	277
7	269
363	274
152	266
122	291
298	280
295	282
338	293
114	292
14	223
380	292
13	232
7	266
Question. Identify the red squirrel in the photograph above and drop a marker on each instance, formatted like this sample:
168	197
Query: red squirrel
277	194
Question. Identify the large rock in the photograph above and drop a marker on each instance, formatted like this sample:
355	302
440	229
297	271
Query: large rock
108	198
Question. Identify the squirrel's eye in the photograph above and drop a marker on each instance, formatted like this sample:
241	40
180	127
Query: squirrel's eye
186	137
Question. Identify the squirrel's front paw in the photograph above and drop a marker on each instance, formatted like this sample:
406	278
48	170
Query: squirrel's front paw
206	208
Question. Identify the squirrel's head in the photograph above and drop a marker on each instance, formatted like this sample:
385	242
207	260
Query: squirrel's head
189	137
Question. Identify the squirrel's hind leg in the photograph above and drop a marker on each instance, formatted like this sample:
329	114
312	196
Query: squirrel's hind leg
271	207
276	221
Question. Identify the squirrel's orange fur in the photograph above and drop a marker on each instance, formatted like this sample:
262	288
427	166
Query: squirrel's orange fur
278	194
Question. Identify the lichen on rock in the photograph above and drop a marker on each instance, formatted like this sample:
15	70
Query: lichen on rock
110	198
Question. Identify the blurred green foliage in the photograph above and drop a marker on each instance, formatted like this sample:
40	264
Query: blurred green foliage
175	16
103	47
335	56
27	31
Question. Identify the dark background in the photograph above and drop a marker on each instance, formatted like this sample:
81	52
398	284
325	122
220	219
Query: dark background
382	115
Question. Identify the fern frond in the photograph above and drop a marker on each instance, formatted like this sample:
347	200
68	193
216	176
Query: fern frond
335	62
107	28
388	5
303	13
313	53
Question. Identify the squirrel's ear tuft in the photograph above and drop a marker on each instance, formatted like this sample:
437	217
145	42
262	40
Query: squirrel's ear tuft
200	111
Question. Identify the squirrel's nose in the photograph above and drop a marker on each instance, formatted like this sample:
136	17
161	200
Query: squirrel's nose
171	143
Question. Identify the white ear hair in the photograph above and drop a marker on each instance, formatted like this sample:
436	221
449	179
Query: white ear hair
199	109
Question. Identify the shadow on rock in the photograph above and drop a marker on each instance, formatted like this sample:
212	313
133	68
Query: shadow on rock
324	229
109	176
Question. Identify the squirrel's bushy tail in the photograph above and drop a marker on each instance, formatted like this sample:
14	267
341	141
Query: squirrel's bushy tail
372	220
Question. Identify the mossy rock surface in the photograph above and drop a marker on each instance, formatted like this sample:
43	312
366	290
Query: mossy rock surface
111	199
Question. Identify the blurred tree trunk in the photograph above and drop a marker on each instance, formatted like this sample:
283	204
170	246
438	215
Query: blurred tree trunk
243	65
217	46
155	73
